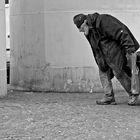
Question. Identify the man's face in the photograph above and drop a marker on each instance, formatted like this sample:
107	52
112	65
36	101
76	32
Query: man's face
84	28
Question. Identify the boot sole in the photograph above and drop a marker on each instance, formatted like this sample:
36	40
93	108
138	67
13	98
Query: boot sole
111	103
133	104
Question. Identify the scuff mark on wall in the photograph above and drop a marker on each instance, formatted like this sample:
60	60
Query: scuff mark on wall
46	78
68	79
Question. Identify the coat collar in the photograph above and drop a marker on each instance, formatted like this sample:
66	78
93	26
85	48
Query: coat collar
91	20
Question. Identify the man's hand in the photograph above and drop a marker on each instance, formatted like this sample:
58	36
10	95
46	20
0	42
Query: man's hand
130	50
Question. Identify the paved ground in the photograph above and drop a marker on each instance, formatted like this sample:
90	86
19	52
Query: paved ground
67	116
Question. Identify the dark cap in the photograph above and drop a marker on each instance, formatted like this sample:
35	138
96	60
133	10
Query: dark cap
79	19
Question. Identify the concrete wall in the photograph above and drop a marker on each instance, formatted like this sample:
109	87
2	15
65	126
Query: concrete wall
3	82
47	51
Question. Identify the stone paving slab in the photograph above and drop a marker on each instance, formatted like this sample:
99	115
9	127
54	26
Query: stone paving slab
67	116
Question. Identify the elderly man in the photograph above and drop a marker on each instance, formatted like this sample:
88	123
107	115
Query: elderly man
111	41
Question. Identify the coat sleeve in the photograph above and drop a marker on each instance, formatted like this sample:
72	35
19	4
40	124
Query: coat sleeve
114	29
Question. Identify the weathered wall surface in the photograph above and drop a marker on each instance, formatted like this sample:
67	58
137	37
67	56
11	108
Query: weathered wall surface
47	51
3	82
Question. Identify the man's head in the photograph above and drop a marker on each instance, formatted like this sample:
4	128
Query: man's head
80	21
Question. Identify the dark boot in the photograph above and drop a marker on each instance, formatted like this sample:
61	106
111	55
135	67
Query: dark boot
106	101
133	99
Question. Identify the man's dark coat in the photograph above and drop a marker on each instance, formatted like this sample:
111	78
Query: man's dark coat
110	40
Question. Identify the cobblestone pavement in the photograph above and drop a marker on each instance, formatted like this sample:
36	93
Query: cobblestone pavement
67	116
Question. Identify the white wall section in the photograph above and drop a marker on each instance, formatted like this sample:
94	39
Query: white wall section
3	81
